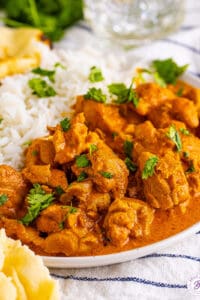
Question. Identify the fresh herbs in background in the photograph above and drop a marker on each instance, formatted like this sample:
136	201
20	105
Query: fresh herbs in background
43	72
131	166
96	95
82	161
149	167
41	88
174	136
95	74
107	175
124	94
51	16
3	199
65	124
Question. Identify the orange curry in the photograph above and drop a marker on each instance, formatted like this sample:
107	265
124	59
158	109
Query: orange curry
114	177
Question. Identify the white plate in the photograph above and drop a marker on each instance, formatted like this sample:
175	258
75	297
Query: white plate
102	260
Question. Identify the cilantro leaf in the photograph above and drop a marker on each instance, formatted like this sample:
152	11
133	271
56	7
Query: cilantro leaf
59	65
174	136
128	148
82	161
59	190
96	95
72	210
95	74
179	93
65	124
82	176
92	148
37	200
107	175
186	154
124	94
168	70
1	120
41	88
43	72
3	199
35	153
149	167
184	131
191	168
131	166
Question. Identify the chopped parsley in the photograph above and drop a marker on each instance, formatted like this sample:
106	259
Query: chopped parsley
95	74
114	134
82	161
59	190
179	93
38	200
124	94
35	152
149	167
3	199
43	72
96	95
184	131
58	64
107	175
191	168
128	148
168	70
65	124
131	166
185	154
174	136
1	120
28	143
92	148
41	88
82	176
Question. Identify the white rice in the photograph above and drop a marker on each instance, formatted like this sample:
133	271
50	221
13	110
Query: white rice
25	116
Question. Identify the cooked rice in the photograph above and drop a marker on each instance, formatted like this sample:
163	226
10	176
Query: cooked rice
25	116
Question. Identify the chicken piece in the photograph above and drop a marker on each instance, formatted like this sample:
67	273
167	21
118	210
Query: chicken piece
77	190
168	185
127	218
72	142
58	179
41	151
150	96
98	202
13	188
98	115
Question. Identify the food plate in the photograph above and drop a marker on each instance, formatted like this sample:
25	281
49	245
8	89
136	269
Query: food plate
102	260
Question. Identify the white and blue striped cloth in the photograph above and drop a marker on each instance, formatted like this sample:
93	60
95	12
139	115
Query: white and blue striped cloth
162	275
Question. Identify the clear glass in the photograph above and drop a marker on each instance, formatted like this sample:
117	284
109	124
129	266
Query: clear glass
133	22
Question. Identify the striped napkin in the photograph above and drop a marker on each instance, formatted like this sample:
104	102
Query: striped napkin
161	275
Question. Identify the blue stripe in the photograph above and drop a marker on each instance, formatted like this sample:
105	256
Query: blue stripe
198	232
172	256
194	73
194	50
123	279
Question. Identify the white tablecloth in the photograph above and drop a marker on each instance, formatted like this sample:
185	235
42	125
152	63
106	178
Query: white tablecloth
162	275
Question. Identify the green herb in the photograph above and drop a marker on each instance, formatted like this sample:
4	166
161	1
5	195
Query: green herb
41	88
51	18
35	152
82	161
184	131
58	64
59	190
149	167
37	201
72	210
96	95
191	168
124	94
82	176
185	154
61	225
179	93
28	143
92	148
1	120
168	70
65	124
174	136
114	134
132	167
95	75
158	79
128	148
43	72
107	175
3	199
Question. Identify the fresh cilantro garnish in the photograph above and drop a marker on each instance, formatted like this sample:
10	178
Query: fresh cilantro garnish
82	176
185	154
96	95
168	70
1	120
191	168
95	74
184	131
37	201
149	167
173	135
114	134
128	148
179	93
41	88
35	152
107	175
65	124
92	148
3	199
82	161
59	190
132	167
72	210
43	72
58	64
28	143
124	94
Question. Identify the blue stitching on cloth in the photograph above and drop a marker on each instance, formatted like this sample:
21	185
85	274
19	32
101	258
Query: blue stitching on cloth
123	279
172	256
194	50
